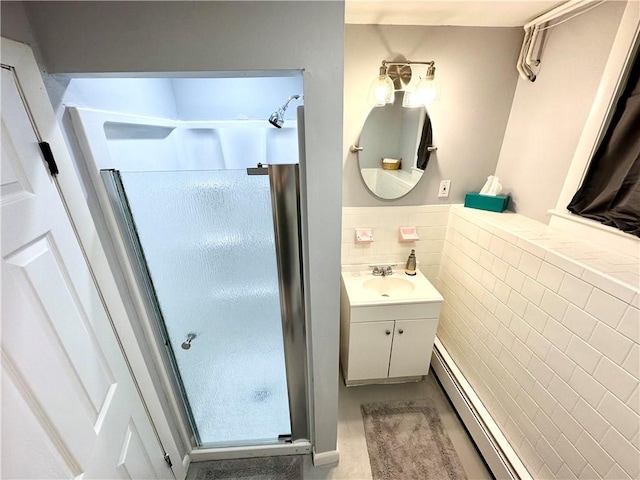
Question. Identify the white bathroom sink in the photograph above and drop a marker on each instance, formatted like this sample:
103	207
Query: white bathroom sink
363	288
389	286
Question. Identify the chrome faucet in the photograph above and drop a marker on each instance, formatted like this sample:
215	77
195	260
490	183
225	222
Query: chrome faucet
382	271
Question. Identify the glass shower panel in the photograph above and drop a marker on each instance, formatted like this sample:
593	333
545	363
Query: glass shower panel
208	241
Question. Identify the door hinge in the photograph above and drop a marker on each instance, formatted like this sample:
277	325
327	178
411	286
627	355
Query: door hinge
259	170
48	157
168	460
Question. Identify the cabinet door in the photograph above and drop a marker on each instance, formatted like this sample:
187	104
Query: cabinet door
369	349
412	346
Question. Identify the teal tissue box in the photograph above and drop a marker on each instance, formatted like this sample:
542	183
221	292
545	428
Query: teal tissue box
486	202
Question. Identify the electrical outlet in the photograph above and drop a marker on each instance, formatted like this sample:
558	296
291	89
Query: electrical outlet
445	185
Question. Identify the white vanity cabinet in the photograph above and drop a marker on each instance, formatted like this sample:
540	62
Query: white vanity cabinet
378	350
388	341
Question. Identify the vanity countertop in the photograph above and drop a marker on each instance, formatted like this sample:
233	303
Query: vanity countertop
364	289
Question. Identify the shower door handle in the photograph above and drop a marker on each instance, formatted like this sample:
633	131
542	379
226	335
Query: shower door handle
186	345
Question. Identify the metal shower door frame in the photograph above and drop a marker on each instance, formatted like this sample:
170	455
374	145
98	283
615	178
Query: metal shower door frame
284	182
284	185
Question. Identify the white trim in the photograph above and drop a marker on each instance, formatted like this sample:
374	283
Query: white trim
22	59
186	461
492	444
332	457
597	121
208	454
304	233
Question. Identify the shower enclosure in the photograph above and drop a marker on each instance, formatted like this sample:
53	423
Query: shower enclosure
206	247
218	259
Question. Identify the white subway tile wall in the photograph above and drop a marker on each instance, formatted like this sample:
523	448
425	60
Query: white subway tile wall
431	225
546	329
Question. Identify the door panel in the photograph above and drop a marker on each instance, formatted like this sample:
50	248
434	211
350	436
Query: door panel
62	366
44	281
208	244
134	461
369	347
411	352
25	431
32	346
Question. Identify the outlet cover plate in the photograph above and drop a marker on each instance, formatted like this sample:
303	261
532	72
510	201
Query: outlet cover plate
445	186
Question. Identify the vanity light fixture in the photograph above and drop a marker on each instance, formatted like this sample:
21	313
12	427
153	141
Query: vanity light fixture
396	75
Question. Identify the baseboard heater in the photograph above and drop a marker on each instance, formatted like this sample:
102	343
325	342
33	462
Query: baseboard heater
492	444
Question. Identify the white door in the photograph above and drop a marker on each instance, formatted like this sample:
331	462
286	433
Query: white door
412	347
369	348
69	404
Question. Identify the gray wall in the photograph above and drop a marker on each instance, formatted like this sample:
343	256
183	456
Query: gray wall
475	68
88	37
549	114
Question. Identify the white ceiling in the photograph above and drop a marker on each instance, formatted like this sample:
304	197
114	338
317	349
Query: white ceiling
481	13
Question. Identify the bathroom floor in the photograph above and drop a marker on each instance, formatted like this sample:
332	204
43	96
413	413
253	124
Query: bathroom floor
354	459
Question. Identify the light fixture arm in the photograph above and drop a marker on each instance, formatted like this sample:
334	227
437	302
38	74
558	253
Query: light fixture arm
431	66
395	75
400	70
408	62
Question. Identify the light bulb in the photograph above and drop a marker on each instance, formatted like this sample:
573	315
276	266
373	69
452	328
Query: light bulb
426	91
382	91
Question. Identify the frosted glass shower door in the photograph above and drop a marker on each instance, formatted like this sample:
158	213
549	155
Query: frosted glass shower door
208	241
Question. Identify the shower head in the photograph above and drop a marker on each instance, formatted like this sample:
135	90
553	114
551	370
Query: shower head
277	118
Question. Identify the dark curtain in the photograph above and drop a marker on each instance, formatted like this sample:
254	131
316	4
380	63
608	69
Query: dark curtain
610	192
426	141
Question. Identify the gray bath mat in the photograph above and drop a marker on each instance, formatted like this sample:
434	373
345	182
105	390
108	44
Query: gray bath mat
406	441
261	468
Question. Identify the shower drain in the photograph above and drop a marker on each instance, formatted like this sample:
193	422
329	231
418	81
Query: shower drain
261	395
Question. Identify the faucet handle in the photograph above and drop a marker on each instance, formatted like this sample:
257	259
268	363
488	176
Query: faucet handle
388	270
377	270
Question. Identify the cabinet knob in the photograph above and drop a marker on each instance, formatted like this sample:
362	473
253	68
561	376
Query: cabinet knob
401	331
388	332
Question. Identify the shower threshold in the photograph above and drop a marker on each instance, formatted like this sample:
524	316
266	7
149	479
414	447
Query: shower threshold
204	454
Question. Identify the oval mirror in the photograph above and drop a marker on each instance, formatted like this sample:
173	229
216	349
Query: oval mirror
395	143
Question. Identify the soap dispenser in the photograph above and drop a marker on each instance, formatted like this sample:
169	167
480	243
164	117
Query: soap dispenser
410	269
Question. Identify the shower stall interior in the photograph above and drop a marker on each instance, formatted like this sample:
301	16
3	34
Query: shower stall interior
214	241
